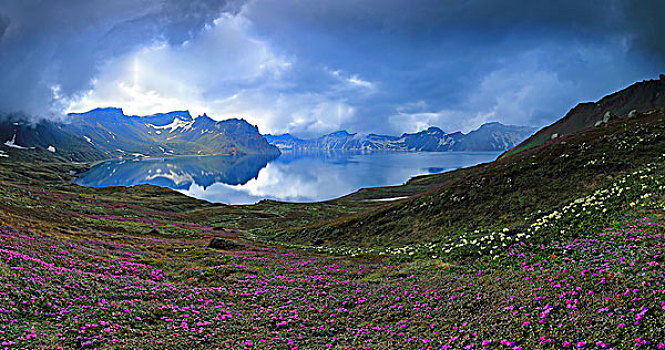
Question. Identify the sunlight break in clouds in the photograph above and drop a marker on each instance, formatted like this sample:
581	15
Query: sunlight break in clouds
224	72
196	73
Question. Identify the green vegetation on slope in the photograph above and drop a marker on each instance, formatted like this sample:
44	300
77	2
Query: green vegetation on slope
130	268
640	97
503	194
559	246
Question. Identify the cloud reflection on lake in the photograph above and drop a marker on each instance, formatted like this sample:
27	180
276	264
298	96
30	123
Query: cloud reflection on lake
289	177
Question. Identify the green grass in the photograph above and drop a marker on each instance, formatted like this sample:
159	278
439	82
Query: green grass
556	245
503	194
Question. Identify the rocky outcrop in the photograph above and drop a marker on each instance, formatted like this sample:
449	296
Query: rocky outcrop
224	244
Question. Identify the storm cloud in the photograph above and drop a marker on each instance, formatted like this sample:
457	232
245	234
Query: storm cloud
310	67
51	52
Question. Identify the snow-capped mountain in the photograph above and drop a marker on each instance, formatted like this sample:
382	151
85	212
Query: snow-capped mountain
108	133
173	133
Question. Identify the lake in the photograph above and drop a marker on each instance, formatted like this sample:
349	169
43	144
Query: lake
288	177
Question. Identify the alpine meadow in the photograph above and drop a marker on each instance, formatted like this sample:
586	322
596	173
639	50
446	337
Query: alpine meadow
392	174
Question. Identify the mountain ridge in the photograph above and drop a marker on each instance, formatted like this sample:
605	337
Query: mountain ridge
492	136
104	133
639	97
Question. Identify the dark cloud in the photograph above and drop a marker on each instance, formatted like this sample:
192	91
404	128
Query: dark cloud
4	23
436	18
448	53
175	22
644	20
53	50
309	66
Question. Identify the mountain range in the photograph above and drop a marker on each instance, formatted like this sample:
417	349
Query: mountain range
105	133
489	137
586	153
173	133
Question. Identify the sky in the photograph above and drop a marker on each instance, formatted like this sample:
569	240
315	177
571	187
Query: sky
311	67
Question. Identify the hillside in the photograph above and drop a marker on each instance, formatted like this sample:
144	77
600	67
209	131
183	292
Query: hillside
489	137
640	97
510	192
17	133
555	247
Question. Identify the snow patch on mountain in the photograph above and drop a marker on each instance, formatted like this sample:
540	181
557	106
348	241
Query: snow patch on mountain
175	125
12	143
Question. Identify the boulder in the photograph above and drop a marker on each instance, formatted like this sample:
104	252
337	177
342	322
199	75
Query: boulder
632	114
224	244
607	117
555	135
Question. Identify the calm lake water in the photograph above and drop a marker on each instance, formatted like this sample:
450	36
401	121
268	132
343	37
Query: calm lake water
289	177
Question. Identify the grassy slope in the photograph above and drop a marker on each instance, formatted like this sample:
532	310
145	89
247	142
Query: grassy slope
501	194
641	96
37	191
129	268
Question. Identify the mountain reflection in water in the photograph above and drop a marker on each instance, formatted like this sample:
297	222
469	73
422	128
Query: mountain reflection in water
178	173
289	177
